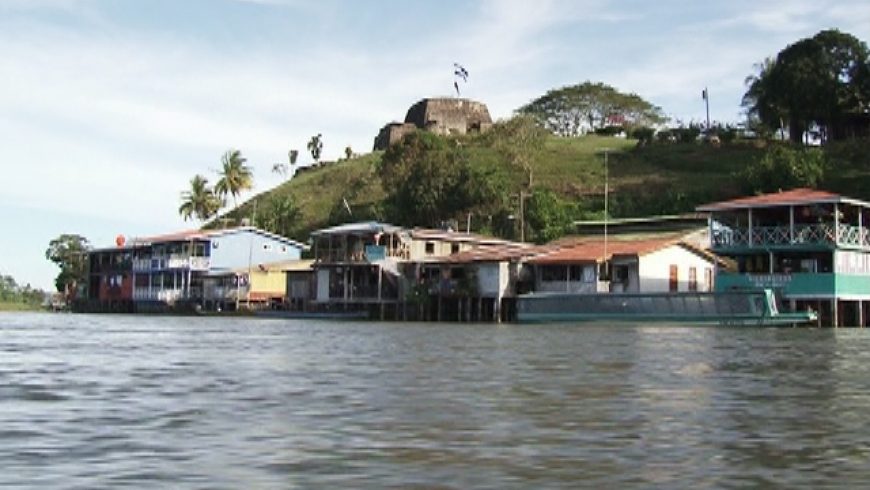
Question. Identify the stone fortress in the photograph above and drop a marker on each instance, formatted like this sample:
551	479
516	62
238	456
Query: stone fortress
440	115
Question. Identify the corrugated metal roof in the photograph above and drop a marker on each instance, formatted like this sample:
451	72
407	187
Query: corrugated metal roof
365	227
800	196
188	235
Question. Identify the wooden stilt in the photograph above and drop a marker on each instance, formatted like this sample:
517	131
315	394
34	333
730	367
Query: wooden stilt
835	314
819	310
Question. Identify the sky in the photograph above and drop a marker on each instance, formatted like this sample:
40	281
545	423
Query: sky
109	107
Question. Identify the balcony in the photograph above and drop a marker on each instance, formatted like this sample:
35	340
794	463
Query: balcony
821	234
175	261
164	295
371	253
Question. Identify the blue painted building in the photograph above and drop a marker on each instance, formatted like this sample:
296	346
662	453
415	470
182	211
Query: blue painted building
170	269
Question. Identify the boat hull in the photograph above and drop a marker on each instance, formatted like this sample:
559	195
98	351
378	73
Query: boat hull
733	308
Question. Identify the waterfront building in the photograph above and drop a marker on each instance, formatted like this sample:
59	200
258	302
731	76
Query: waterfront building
479	284
623	265
168	271
372	266
811	246
255	288
110	279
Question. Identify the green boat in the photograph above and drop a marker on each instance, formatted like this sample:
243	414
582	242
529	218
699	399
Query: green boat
756	307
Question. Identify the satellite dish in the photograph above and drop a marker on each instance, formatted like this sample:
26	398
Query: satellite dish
120	240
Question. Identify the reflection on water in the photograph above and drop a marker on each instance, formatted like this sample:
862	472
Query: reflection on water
115	401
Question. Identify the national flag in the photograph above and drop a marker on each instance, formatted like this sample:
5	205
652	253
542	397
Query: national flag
460	72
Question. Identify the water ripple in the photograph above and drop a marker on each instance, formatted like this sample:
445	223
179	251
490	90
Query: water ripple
126	401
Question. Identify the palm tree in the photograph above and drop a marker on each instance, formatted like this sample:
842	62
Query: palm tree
235	175
315	146
200	201
762	99
282	168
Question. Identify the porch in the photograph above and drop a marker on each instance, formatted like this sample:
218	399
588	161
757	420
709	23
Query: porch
821	225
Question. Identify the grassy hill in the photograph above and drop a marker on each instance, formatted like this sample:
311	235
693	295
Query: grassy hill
654	179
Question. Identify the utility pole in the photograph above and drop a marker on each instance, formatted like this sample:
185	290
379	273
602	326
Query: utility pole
606	189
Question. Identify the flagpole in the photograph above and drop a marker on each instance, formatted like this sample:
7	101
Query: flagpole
706	95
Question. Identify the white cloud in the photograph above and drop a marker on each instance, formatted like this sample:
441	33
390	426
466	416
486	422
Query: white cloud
103	120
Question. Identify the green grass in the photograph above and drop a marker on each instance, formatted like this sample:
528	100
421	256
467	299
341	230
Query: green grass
658	178
7	306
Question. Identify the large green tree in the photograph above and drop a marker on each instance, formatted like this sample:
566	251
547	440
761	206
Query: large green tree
783	167
69	252
547	216
818	81
569	111
199	201
235	176
763	110
428	180
280	216
518	140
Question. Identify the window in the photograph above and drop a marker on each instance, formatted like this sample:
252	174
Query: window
674	282
454	248
430	248
708	278
575	273
267	247
554	273
693	279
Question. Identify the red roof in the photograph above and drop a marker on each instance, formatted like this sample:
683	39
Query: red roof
784	198
593	250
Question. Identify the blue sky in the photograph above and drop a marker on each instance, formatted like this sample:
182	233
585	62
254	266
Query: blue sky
108	108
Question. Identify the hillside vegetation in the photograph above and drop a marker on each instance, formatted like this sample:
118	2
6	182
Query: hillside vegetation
657	178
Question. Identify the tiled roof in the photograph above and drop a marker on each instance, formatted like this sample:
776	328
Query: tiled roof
593	250
785	198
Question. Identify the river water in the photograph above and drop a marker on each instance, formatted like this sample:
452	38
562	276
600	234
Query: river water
167	402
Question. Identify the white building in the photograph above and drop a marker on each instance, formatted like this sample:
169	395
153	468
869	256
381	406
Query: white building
660	264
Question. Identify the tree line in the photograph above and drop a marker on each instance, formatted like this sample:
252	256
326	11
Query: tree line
12	292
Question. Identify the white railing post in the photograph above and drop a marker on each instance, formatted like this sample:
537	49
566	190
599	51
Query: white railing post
749	238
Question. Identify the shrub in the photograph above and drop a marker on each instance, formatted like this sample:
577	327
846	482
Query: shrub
783	167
